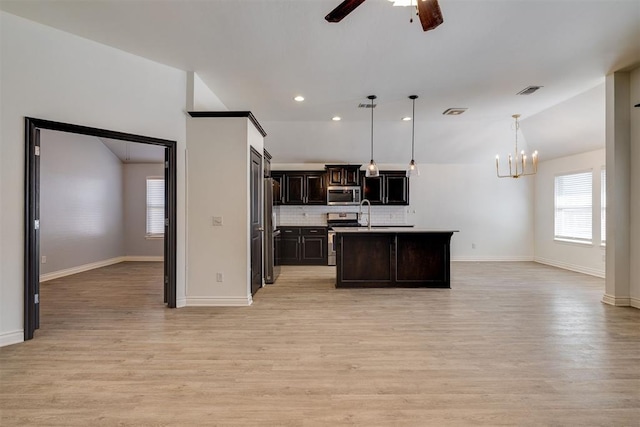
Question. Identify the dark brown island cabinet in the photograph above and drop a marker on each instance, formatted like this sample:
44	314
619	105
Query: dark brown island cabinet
393	257
303	246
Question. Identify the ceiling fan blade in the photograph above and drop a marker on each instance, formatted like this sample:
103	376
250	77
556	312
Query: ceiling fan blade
429	13
343	9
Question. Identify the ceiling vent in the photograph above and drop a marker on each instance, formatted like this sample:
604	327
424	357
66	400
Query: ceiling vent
529	90
454	111
367	105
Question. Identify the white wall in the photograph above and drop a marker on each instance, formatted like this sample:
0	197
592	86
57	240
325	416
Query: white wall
494	216
49	74
81	201
585	258
635	190
218	181
136	244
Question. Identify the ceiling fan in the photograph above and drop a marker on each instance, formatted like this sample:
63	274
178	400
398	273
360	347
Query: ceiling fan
428	11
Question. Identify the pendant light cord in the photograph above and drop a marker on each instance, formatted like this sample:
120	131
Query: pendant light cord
413	129
372	98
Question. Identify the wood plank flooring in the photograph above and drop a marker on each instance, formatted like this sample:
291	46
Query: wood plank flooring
510	344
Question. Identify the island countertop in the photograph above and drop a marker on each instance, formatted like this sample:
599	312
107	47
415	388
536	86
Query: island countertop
390	229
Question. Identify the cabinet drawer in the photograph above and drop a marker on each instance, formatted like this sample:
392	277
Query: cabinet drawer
290	231
314	231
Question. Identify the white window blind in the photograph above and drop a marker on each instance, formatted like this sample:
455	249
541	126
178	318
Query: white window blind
155	207
573	207
603	206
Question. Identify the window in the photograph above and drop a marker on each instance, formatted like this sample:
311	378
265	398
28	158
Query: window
155	207
573	206
603	206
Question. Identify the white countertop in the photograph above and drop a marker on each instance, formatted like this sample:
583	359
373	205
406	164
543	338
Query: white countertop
390	230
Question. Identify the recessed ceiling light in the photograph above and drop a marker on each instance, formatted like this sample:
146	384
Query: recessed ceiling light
299	98
454	111
336	118
406	119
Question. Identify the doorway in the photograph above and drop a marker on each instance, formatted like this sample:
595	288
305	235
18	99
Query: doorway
32	211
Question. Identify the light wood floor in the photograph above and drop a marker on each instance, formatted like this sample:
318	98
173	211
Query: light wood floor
510	344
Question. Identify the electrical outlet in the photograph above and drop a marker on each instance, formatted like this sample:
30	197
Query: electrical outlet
44	259
473	246
217	221
219	277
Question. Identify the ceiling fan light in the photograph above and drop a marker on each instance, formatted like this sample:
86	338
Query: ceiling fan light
404	2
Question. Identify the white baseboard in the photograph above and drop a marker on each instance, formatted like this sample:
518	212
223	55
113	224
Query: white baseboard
144	258
490	258
181	302
572	267
79	269
634	302
218	301
616	301
99	264
13	337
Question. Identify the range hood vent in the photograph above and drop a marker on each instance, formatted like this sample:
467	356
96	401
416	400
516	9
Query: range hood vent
529	90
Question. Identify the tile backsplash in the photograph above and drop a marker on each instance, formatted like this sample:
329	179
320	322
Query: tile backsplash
317	215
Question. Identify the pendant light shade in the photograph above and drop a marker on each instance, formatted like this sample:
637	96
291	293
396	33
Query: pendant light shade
412	169
372	168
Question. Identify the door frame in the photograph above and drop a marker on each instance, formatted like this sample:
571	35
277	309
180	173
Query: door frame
32	210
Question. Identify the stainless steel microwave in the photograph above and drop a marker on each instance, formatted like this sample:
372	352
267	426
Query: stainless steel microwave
343	195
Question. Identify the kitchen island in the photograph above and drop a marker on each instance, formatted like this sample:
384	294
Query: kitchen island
393	257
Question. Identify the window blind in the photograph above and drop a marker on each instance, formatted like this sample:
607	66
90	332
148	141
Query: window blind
573	207
155	207
603	206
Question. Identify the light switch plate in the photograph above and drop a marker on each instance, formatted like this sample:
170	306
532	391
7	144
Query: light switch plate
217	221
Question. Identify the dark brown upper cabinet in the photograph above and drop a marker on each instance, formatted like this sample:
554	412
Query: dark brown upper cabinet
343	174
278	187
302	188
390	188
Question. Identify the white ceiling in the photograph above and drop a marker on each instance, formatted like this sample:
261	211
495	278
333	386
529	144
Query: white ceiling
134	152
258	54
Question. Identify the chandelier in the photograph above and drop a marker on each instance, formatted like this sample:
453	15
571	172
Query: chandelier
518	163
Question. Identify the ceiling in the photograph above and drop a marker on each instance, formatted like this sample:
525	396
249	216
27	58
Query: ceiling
258	54
134	152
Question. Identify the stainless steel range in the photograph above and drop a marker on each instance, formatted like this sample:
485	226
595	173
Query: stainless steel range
335	220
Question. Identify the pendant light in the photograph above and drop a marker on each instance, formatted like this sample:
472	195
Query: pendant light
412	169
372	168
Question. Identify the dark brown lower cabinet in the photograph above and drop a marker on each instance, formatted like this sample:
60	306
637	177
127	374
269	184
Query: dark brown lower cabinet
388	258
303	246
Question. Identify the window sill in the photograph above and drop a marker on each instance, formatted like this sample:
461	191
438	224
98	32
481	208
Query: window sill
154	237
573	242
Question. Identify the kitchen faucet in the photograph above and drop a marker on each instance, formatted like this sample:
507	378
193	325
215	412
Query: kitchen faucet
368	213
